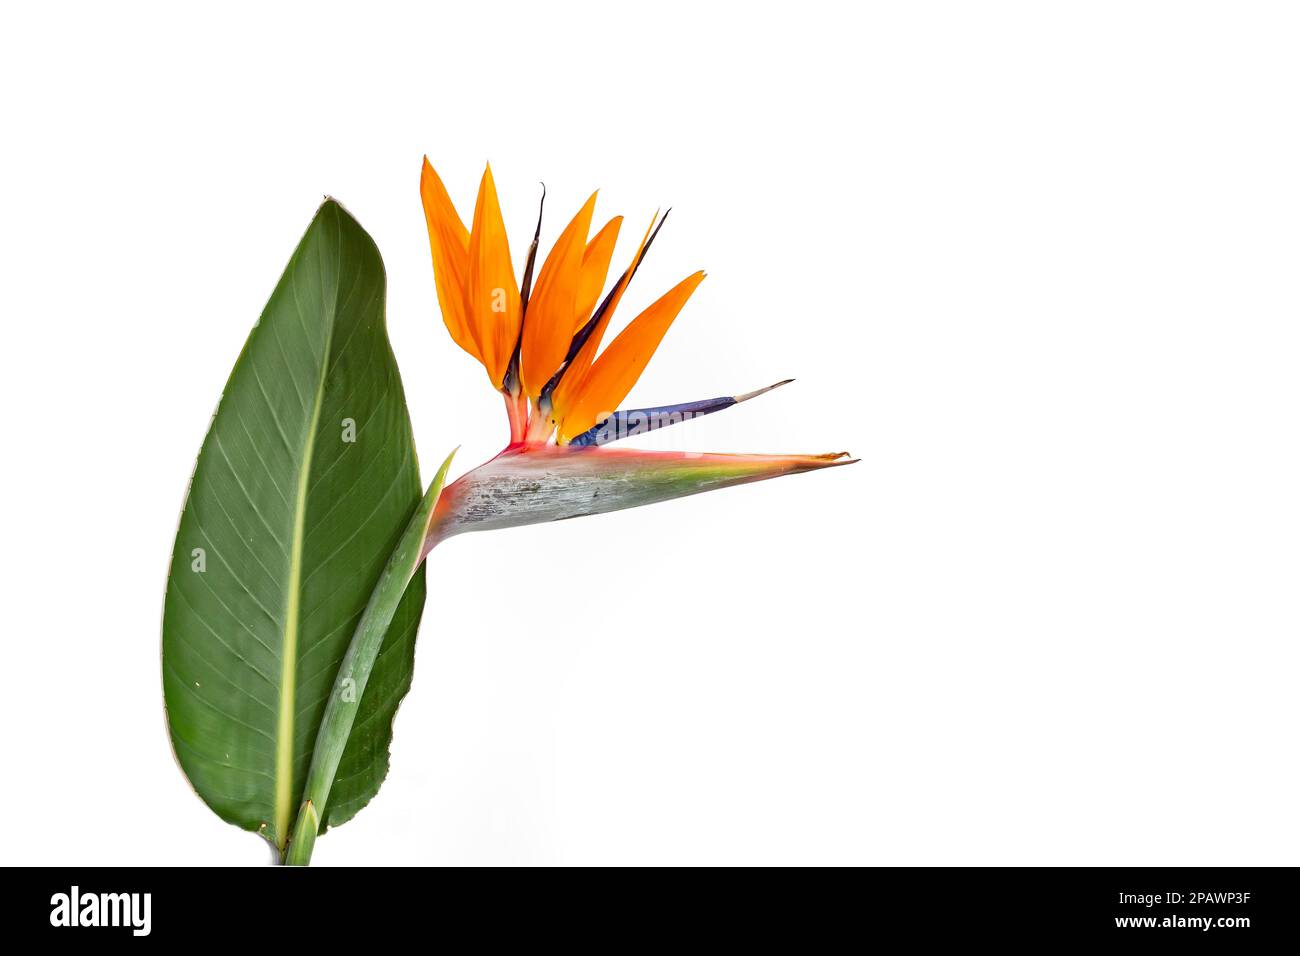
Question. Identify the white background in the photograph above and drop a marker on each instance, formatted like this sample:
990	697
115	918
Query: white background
1035	263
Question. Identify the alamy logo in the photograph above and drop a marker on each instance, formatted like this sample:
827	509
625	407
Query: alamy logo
101	909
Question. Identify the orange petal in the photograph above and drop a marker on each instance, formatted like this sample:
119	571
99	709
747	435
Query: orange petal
595	269
619	366
548	326
493	294
449	242
571	383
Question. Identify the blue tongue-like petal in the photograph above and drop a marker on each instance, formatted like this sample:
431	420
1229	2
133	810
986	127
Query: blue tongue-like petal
637	421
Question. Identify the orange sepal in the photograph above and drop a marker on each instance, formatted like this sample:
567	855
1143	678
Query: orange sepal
548	327
493	294
449	243
570	386
595	269
619	366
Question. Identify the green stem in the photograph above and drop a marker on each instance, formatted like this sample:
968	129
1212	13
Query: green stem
354	672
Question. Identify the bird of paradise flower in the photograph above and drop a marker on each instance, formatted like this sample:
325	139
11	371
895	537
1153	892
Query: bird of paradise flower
539	345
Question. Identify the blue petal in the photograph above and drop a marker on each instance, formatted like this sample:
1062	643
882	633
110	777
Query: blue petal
638	421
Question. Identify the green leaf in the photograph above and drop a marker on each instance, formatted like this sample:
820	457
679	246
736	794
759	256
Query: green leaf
302	489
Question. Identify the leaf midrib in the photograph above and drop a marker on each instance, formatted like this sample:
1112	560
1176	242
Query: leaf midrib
284	797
